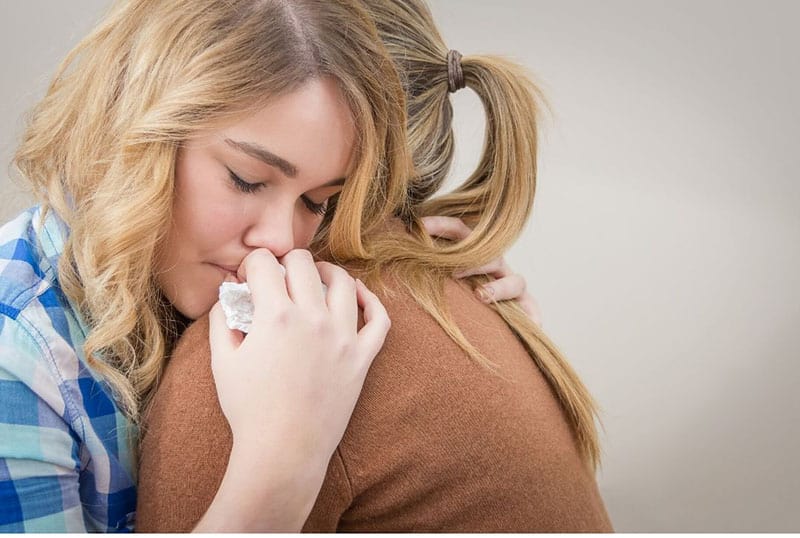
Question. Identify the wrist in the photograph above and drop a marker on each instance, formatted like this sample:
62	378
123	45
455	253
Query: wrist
285	449
264	490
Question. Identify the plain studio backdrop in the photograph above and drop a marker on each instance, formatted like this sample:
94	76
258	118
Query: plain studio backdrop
664	247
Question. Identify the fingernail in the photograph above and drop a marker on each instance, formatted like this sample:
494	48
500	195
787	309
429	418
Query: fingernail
485	293
229	278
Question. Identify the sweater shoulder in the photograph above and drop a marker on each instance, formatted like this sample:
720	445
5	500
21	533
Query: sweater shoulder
489	449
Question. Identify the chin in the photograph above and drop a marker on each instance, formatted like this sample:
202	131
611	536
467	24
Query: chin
195	310
196	306
192	294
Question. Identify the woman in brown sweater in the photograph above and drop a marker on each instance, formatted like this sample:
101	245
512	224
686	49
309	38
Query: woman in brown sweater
470	419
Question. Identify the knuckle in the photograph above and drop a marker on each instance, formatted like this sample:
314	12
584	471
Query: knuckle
328	267
323	268
318	322
439	226
339	270
382	318
333	269
282	316
428	222
349	286
344	347
523	284
341	275
260	254
257	258
297	254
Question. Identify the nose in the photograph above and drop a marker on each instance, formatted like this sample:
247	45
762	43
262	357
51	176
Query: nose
273	229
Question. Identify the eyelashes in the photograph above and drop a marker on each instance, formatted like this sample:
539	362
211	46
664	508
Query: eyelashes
249	188
317	209
243	185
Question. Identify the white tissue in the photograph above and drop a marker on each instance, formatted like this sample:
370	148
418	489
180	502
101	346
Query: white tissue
237	304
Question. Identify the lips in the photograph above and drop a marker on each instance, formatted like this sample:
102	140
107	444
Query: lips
227	269
231	268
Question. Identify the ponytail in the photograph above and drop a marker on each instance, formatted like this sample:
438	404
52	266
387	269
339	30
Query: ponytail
495	201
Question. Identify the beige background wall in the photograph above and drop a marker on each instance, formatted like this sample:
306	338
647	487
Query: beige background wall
664	245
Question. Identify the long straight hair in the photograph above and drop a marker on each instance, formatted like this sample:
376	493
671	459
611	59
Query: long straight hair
495	200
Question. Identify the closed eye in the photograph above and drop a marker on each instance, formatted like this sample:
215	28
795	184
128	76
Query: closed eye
317	209
249	188
243	185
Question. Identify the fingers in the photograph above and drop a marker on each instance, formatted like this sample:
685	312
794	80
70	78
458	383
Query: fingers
376	321
510	287
302	279
446	227
341	297
496	268
507	285
221	339
263	274
531	307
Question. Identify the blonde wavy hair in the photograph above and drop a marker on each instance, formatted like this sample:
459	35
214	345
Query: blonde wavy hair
100	148
496	200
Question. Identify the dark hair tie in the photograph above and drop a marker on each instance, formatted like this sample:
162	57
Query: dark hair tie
455	76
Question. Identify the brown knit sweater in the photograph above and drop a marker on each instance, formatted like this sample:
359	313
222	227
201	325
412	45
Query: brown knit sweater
436	442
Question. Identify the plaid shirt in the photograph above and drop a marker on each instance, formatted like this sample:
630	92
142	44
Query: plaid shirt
65	448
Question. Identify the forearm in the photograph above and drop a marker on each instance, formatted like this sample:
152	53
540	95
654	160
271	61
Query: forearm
247	501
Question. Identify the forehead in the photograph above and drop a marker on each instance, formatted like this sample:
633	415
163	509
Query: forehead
311	127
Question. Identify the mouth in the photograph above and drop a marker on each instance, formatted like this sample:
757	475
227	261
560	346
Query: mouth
227	269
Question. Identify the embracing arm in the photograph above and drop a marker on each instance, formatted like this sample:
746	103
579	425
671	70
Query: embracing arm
188	457
192	476
287	390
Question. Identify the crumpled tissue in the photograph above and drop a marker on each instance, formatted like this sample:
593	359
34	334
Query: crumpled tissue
237	304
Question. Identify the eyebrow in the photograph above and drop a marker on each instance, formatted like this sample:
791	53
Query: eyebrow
267	157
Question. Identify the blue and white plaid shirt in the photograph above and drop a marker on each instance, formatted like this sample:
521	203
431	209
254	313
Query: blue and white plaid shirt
65	448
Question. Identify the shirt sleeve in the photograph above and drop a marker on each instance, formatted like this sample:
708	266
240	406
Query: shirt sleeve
39	450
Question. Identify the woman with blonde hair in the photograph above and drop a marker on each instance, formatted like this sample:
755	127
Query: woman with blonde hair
142	155
470	418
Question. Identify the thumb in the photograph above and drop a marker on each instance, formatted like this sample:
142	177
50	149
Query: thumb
221	339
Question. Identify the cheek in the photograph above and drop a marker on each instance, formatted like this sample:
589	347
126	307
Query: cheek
205	211
207	225
304	231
